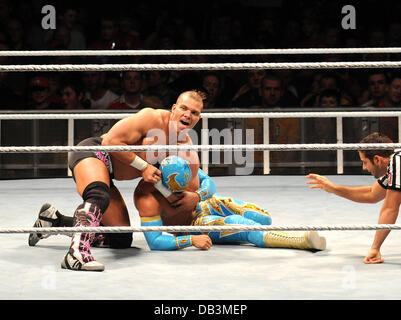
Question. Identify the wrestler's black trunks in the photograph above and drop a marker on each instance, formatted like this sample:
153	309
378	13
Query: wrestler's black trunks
75	157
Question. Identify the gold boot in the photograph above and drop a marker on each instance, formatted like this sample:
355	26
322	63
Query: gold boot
307	240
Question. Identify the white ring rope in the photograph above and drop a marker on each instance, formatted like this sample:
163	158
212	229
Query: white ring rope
227	147
208	115
66	230
205	66
199	66
55	53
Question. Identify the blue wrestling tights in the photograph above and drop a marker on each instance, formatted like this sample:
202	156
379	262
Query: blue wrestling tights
220	210
254	237
227	206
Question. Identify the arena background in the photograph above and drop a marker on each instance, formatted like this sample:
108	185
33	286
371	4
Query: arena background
193	25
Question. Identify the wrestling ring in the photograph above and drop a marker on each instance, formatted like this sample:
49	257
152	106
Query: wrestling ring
225	272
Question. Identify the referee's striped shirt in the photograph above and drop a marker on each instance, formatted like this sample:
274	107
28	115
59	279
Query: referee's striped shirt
392	178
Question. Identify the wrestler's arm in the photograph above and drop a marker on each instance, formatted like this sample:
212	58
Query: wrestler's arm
168	242
363	194
149	210
160	241
207	186
129	131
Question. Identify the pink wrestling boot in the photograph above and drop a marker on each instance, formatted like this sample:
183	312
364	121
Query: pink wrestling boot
79	256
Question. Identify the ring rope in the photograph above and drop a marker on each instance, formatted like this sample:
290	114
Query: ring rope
228	147
66	230
210	115
54	53
199	66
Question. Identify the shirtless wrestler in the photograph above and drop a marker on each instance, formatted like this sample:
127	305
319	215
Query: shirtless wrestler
93	172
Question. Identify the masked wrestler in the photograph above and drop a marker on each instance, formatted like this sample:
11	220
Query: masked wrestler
155	210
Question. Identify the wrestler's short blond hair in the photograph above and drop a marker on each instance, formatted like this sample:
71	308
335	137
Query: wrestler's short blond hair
194	94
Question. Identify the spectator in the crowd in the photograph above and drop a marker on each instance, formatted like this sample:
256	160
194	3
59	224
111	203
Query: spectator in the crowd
311	37
331	37
184	80
291	83
36	36
323	130
376	38
54	79
73	94
327	81
158	86
111	37
108	38
352	39
97	93
271	91
249	94
224	31
113	82
60	39
265	33
389	125
393	95
67	34
73	97
213	83
275	92
329	98
375	94
131	98
281	130
99	97
165	34
69	18
16	35
128	35
308	85
40	94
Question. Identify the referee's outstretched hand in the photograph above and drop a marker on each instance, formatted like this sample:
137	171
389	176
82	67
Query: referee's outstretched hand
320	182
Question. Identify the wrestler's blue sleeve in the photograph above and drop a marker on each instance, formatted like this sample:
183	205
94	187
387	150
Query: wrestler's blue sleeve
207	186
160	241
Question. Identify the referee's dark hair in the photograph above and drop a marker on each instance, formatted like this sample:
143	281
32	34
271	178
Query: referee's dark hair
376	137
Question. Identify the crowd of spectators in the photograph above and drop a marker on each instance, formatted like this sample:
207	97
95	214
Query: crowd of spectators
179	25
208	25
